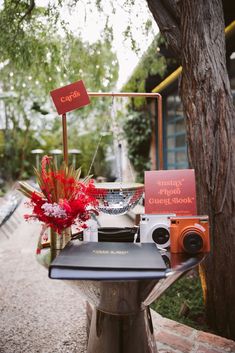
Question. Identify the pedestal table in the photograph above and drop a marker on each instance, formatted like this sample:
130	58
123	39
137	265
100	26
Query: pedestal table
121	320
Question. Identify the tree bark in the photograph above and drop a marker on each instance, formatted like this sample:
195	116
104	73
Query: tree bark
210	119
166	14
207	100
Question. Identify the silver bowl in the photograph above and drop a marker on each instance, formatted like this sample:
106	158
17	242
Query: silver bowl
118	198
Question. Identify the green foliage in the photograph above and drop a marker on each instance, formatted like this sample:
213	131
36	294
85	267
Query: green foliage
95	62
18	143
2	142
39	54
183	302
151	64
34	59
88	145
106	9
137	129
24	37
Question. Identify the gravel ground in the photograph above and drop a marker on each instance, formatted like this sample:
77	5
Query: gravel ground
37	315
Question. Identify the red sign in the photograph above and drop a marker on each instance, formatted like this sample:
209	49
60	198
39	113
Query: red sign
70	97
170	191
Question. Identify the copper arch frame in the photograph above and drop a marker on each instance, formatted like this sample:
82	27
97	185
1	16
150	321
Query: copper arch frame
124	94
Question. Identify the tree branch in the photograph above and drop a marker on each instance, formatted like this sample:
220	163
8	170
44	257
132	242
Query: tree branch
29	10
167	15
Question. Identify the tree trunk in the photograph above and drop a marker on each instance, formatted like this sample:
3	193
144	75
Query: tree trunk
210	120
207	100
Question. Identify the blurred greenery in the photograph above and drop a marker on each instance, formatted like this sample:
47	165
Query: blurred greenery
152	63
137	130
138	127
38	54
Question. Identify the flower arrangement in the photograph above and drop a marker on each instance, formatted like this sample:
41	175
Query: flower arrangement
63	200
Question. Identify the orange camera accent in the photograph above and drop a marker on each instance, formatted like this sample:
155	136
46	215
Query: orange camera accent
189	234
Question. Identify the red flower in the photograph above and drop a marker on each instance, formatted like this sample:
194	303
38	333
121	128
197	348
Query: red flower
66	206
65	200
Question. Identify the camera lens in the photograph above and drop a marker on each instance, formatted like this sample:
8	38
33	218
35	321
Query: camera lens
161	236
193	242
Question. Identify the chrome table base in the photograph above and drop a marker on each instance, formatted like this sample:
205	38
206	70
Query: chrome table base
129	333
120	320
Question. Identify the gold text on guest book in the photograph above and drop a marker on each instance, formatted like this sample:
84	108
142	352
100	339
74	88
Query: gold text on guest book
110	252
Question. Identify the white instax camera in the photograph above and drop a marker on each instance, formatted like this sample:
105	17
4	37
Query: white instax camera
155	228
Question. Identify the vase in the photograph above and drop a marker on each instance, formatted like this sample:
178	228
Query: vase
58	241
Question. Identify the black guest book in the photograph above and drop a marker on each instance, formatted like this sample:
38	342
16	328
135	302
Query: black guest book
107	260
